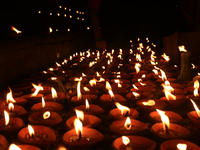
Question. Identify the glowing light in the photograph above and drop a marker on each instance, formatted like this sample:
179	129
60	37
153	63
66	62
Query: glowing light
14	29
14	147
122	108
195	107
9	97
149	103
164	118
127	123
7	118
181	146
169	96
46	115
79	114
125	140
37	89
31	131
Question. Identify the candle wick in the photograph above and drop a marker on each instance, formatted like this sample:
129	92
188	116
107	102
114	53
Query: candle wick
80	135
166	129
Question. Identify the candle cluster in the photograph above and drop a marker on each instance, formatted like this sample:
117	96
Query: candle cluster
124	98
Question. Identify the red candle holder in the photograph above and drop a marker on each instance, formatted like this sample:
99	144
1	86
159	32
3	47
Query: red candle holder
190	89
147	108
60	98
18	111
116	114
33	99
142	95
146	84
136	142
14	125
180	99
51	83
3	142
124	85
143	89
136	79
83	81
89	121
15	93
139	74
176	86
98	86
174	131
136	127
194	118
90	91
89	138
121	81
178	92
171	80
117	90
108	101
89	97
173	117
24	87
37	119
93	110
122	76
44	136
19	101
41	76
49	106
172	144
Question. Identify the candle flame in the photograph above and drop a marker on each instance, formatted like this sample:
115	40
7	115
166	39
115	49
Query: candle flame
14	29
84	75
122	108
136	94
92	82
87	106
149	103
10	106
9	97
86	89
79	95
79	114
37	89
54	93
196	87
164	118
78	126
169	96
7	118
165	57
138	57
43	102
118	76
155	71
137	67
111	94
135	87
163	75
50	30
127	123
31	131
125	140
181	146
195	107
46	115
14	147
119	85
143	76
108	86
182	48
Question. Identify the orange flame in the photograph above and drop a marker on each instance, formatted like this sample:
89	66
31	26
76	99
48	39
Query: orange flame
54	93
143	76
111	94
138	57
135	87
167	86
108	86
119	85
92	82
83	75
169	96
86	89
122	108
50	30
79	114
43	103
137	67
9	97
181	146
125	140
165	57
127	123
13	147
78	126
79	95
46	115
196	87
7	118
14	29
164	118
87	106
10	106
163	75
155	71
182	48
195	107
31	131
136	94
149	103
37	89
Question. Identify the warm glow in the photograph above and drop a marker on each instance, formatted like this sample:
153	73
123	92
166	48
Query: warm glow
10	106
9	97
31	130
7	118
62	148
108	86
87	106
196	87
50	30
57	64
136	94
164	118
163	75
143	76
127	123
53	78
117	81
125	140
14	147
37	89
193	66
155	71
138	57
14	29
195	107
79	114
119	85
149	103
78	126
182	48
46	115
92	82
181	146
165	57
167	86
54	93
118	76
143	84
169	96
137	67
79	95
122	108
86	89
135	87
43	103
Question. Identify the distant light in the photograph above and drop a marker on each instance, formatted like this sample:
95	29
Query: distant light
39	12
56	29
58	14
70	16
77	11
65	15
50	14
82	13
77	18
65	8
82	19
68	30
60	6
88	28
70	9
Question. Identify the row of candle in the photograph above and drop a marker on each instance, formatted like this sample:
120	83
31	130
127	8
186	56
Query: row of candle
142	87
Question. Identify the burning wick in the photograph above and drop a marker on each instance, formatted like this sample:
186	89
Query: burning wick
165	120
78	127
87	107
